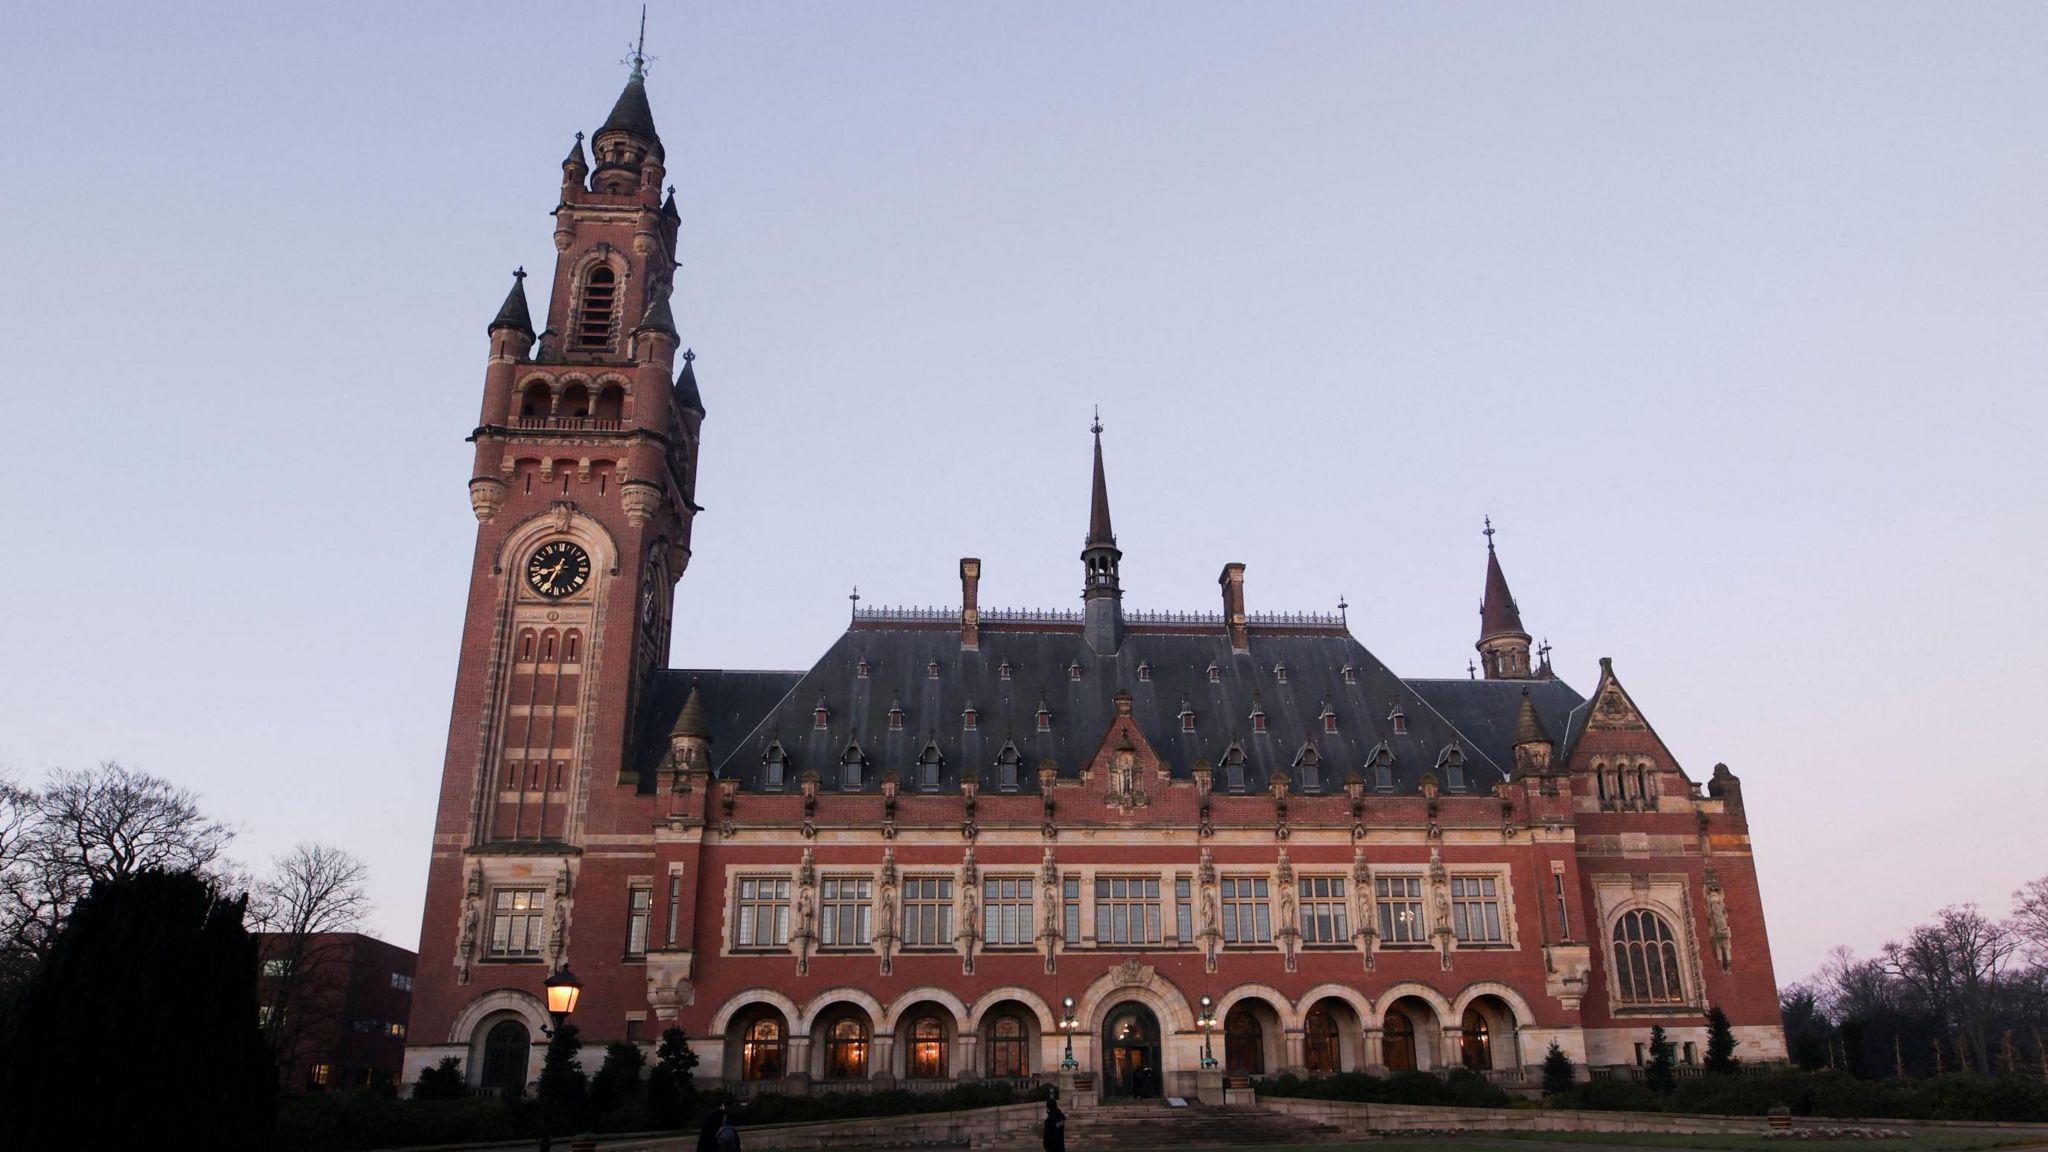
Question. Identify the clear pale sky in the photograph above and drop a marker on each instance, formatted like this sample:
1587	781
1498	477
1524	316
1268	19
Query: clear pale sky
1733	317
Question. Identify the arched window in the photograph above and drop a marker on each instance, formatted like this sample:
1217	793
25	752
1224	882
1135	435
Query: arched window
611	403
572	646
846	1050
1397	1041
1646	959
600	301
507	1046
575	402
1477	1041
536	400
927	1049
1319	1047
761	1050
1006	1048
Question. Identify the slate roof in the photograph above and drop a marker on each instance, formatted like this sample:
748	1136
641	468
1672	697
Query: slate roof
1486	711
1497	611
745	721
513	312
632	115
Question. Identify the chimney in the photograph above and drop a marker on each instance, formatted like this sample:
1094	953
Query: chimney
1232	581
970	611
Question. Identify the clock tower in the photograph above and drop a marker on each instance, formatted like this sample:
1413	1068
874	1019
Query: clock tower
585	468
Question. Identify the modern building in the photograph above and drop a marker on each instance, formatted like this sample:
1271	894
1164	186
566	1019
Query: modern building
339	1002
965	840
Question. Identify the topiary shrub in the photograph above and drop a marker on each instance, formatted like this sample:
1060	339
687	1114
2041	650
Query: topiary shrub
441	1081
1557	1071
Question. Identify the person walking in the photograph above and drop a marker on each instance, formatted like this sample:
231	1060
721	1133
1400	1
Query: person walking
707	1136
1055	1123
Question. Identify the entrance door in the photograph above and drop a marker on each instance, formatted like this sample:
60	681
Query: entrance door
1130	1044
1397	1041
1244	1043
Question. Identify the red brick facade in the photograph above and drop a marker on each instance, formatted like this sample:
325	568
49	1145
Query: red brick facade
940	825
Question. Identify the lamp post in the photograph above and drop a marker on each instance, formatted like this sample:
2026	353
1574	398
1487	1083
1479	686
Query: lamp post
1207	1021
1068	1063
563	990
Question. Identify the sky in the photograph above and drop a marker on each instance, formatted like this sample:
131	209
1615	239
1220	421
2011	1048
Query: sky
1731	316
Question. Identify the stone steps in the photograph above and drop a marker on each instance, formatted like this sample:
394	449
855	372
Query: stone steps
1154	1125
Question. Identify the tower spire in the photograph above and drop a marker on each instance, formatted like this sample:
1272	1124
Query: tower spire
1502	640
1102	592
513	314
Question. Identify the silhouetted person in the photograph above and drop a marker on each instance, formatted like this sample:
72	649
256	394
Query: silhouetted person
1055	1126
707	1136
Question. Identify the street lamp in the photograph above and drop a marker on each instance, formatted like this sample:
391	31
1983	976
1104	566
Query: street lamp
563	991
1068	1063
1205	1022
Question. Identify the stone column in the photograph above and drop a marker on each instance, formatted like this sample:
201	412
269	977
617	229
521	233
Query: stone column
799	1067
1452	1051
882	1060
1294	1051
1371	1057
967	1056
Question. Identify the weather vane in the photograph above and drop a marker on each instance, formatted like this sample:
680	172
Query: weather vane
1489	532
1096	427
639	58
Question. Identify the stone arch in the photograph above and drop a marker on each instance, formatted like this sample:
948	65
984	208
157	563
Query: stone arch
523	1004
1352	996
1473	991
1282	1006
886	1021
977	1015
1168	1003
1422	992
585	530
751	997
801	1023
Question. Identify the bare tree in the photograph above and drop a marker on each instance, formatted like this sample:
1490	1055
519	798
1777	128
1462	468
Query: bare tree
314	894
1958	966
83	827
2030	917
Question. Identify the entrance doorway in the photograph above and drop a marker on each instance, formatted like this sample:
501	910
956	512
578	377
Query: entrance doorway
1130	1046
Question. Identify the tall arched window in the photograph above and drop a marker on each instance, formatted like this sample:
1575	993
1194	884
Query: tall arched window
1397	1041
600	301
1319	1048
761	1050
1006	1048
846	1050
1646	959
507	1046
927	1049
1244	1044
536	401
1477	1041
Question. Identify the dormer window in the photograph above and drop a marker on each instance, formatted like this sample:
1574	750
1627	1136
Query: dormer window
600	303
1074	670
774	767
1009	764
895	716
1044	717
1144	672
931	670
1187	717
1233	769
860	670
1004	671
968	716
1280	673
1382	764
1258	722
1329	717
929	762
1453	764
852	765
1308	769
1400	720
820	715
1350	674
1215	674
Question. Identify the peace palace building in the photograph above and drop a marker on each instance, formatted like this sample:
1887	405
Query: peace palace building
964	838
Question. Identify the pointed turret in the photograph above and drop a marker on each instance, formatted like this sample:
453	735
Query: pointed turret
658	317
1102	594
575	166
690	721
1532	740
1503	645
628	150
513	315
687	397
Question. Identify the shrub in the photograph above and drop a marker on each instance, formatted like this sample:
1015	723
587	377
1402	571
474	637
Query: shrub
1557	1071
1720	1043
442	1081
1659	1075
616	1087
668	1085
1461	1088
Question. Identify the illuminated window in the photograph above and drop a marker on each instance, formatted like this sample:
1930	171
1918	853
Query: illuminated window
1400	909
927	1049
761	1050
846	1050
516	915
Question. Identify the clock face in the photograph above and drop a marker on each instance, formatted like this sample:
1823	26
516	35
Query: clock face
557	569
